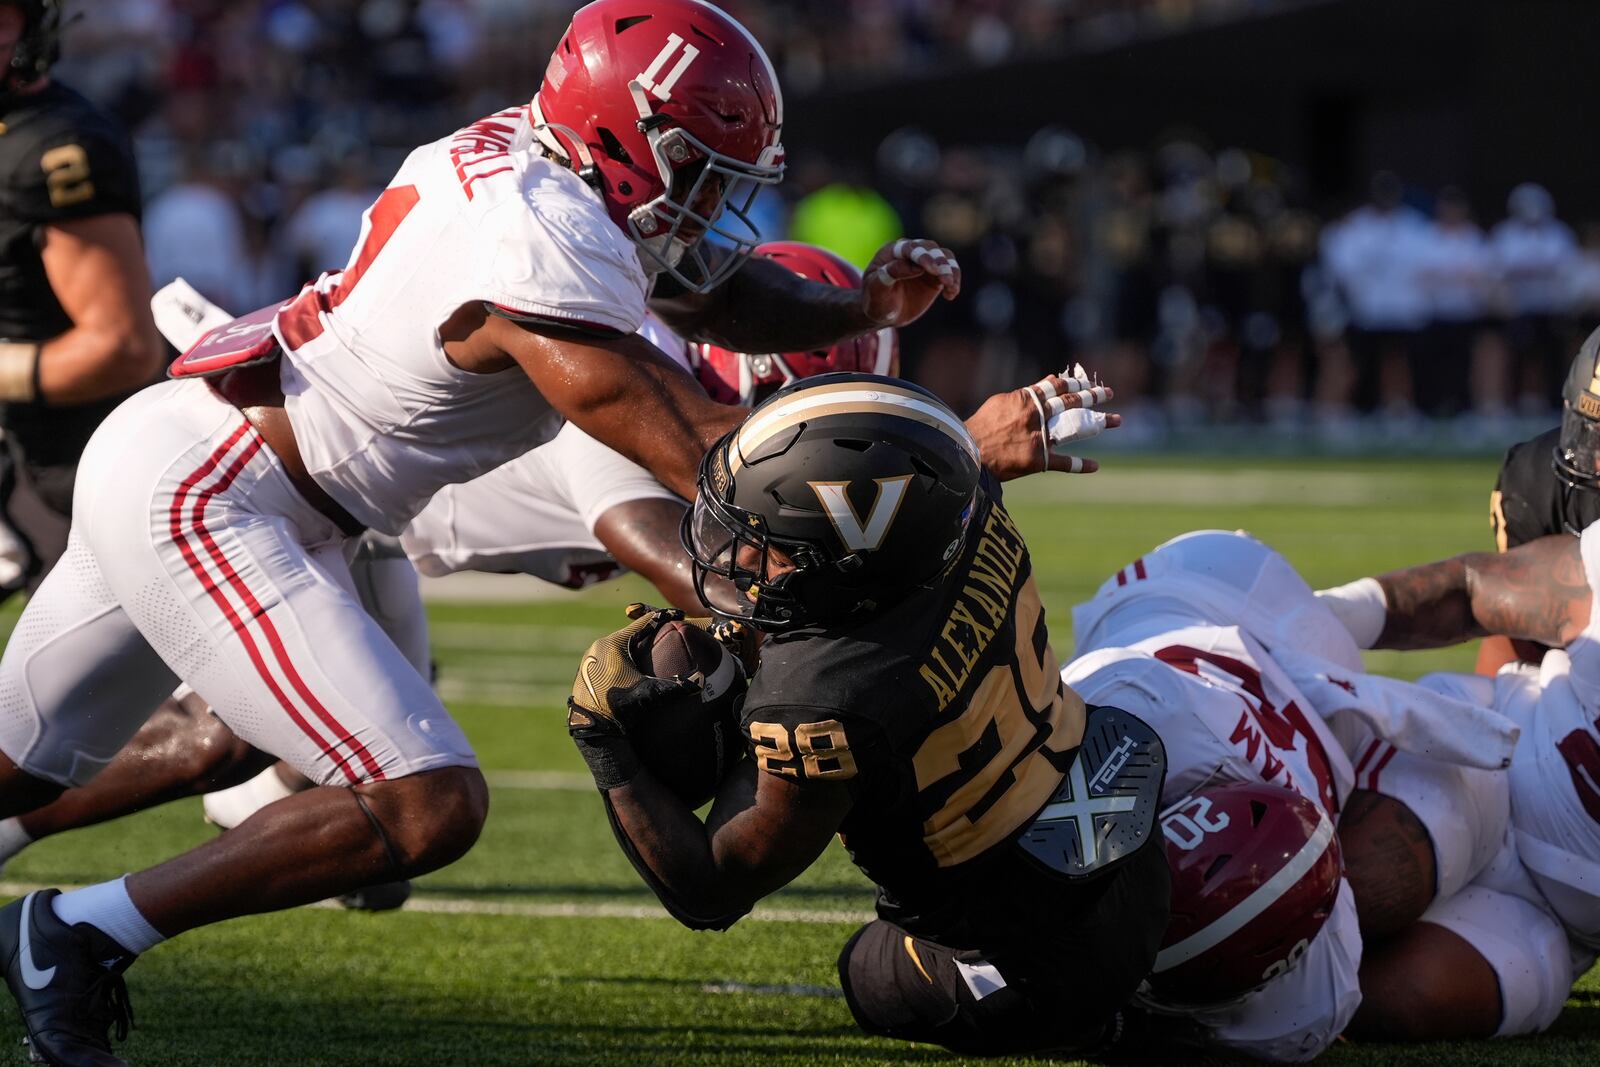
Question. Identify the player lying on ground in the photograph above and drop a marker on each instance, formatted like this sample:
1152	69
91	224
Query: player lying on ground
1217	643
496	289
570	512
1544	592
908	699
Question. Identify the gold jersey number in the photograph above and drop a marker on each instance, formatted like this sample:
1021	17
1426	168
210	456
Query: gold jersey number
67	175
993	764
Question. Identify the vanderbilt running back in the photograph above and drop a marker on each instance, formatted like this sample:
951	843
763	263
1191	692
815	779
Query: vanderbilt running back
946	714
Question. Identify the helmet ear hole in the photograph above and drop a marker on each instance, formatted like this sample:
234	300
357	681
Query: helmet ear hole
613	146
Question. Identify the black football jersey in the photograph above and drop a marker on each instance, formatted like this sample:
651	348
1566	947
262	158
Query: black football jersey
1530	501
945	714
61	159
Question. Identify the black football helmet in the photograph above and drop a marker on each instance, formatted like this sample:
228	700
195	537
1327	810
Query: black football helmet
864	483
40	44
1577	452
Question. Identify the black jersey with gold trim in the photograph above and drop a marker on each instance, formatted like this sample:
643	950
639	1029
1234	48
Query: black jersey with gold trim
945	714
1531	501
61	159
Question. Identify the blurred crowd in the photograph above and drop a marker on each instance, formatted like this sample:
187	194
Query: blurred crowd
1203	282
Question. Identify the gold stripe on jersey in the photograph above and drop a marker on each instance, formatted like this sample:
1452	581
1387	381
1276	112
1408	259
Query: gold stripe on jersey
843	399
1017	717
1497	520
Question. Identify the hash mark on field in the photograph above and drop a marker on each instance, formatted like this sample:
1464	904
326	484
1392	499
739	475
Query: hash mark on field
518	910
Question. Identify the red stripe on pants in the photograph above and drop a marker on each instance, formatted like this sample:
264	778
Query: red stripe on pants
176	528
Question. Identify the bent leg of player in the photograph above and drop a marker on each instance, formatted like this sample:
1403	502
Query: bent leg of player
1061	990
183	750
1416	830
196	557
1492	960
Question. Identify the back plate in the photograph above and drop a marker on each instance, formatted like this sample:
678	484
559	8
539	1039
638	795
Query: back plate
1105	808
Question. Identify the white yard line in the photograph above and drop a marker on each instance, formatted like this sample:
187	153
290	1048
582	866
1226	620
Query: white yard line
430	905
555	781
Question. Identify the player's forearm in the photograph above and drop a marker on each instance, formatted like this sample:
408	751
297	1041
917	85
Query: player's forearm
89	363
1536	592
1429	606
673	852
766	308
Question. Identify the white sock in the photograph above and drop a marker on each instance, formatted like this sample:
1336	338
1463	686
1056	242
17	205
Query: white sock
228	808
1362	606
13	839
108	908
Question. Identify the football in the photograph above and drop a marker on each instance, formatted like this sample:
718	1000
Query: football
692	744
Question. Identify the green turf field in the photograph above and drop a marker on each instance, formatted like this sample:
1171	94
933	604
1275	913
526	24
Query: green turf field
542	946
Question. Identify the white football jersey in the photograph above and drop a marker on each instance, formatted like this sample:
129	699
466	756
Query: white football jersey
536	514
382	417
1225	714
1555	773
1150	643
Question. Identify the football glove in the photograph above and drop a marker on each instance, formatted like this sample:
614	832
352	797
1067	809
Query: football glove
610	690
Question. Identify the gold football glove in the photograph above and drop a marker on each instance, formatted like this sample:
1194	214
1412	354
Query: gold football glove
610	690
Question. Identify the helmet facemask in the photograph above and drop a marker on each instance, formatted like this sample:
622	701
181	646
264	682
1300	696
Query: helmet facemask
742	572
703	192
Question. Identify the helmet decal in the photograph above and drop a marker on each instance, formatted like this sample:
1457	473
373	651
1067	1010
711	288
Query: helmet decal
662	90
857	535
845	398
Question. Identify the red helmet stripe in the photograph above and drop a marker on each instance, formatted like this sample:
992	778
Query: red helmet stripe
1265	895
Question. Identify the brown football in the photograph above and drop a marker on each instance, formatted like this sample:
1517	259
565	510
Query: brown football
691	745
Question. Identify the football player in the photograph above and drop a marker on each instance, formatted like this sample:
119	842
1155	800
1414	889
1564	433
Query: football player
1216	642
908	700
496	289
76	336
1542	591
1549	484
571	512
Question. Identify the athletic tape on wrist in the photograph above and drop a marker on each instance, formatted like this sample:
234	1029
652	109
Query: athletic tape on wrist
19	371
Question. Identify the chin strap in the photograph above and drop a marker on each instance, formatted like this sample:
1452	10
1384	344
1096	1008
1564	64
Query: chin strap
674	907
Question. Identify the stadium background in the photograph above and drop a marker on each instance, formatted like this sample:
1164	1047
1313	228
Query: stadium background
1156	187
1146	185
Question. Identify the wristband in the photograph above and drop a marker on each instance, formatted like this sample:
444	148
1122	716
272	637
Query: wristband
19	370
1361	606
611	759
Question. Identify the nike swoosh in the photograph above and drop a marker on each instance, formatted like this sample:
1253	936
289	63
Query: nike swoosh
32	976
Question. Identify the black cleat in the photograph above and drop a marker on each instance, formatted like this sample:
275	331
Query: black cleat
384	896
67	982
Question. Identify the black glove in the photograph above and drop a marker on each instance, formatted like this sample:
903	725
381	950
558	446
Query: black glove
610	690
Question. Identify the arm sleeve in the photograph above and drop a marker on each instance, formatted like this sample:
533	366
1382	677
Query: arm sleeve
596	478
75	173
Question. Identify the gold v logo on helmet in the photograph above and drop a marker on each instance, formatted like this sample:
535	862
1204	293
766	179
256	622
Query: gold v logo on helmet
859	536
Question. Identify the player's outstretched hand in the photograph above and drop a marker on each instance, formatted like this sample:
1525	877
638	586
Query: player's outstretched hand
610	691
1026	431
905	278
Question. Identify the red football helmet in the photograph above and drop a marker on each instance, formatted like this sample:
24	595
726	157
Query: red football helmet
1255	873
671	110
743	378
